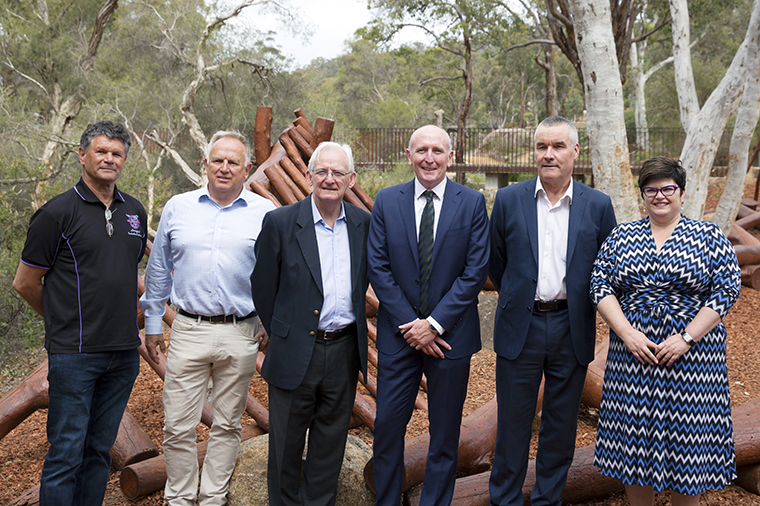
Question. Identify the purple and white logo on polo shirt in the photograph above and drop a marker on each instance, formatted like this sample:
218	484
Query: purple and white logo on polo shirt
134	222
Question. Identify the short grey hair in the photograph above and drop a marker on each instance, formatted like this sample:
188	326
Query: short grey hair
231	134
332	145
558	120
112	130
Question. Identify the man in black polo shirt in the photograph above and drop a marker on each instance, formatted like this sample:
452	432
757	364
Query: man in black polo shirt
86	243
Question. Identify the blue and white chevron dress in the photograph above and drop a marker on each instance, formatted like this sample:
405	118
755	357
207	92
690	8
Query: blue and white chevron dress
667	426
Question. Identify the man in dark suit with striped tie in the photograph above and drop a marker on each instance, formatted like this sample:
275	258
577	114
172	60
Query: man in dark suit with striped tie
427	258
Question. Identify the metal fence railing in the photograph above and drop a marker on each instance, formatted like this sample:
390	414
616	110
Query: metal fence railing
509	150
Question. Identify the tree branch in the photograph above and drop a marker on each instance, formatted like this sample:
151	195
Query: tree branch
652	31
87	61
193	176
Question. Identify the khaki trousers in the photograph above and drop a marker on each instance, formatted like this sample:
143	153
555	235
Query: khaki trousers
227	353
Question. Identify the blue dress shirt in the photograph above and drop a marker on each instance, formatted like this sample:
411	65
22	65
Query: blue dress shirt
335	265
210	251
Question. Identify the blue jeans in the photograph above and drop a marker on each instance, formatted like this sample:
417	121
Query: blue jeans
88	393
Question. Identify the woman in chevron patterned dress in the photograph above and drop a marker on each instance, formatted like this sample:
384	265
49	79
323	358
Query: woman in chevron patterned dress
664	284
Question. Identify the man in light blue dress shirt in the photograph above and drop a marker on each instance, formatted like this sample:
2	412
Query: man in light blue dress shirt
309	286
202	259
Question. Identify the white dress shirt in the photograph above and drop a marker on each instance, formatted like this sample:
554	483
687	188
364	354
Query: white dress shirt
335	265
420	201
419	205
553	223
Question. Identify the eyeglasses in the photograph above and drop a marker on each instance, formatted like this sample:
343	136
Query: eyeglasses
109	224
651	192
324	174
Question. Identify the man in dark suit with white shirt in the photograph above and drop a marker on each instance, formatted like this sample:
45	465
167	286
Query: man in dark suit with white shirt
428	259
545	234
309	285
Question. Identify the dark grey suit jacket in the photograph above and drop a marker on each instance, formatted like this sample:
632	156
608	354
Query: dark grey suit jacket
287	288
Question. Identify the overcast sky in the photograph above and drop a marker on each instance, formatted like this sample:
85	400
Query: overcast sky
332	21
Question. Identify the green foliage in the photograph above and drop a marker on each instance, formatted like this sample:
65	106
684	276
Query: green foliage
374	180
573	104
20	326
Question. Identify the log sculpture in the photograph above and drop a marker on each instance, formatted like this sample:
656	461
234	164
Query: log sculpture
132	443
26	398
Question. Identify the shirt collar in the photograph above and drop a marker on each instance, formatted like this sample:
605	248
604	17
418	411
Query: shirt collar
87	195
439	190
568	192
244	197
317	216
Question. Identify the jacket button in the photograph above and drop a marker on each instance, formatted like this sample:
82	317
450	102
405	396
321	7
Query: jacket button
316	311
416	281
533	280
529	308
312	333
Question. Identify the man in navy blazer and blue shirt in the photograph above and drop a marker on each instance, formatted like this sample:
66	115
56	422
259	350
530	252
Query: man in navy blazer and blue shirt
545	234
411	339
309	286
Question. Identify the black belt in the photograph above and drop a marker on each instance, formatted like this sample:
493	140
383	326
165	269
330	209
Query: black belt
543	306
329	335
223	318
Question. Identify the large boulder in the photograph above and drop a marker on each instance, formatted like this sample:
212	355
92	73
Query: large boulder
248	486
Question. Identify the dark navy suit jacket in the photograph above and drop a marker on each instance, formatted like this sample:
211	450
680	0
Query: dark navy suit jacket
514	264
458	270
287	288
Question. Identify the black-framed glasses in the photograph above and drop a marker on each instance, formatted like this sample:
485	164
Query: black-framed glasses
109	223
667	191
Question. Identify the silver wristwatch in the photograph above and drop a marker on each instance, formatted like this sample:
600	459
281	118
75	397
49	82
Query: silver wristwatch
686	337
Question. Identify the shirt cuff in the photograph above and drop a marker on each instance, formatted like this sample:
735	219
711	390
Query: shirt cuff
153	325
435	324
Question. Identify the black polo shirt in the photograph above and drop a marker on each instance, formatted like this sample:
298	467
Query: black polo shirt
90	287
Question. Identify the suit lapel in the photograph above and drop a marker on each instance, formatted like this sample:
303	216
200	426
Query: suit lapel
531	217
577	209
451	199
406	210
307	240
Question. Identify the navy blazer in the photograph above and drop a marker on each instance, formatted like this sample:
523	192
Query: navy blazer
459	266
514	264
287	288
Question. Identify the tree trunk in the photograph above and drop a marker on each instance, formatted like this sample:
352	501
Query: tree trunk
744	128
639	87
685	87
522	99
464	110
703	138
604	103
550	77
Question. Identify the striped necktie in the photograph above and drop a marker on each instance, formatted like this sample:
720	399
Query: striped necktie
425	250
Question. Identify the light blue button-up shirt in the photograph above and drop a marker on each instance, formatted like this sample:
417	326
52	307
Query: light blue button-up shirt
210	251
335	264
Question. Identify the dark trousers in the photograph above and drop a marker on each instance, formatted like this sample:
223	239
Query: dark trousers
398	381
88	394
548	351
322	403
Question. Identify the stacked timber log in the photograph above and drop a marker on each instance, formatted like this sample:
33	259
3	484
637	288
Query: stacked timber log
747	246
281	177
